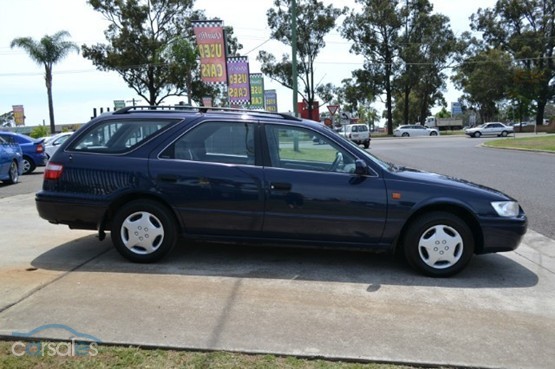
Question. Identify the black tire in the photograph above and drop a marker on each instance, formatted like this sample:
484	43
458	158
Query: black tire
504	134
477	134
405	134
366	144
433	133
154	231
13	173
28	165
441	257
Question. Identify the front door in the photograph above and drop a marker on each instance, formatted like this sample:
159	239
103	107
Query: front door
313	193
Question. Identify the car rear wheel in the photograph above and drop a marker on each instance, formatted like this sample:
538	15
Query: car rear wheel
438	244
28	165
405	134
477	134
143	231
366	144
13	173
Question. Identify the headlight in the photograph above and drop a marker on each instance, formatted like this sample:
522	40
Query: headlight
506	208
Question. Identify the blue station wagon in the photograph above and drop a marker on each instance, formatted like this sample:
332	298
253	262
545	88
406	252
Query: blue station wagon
152	176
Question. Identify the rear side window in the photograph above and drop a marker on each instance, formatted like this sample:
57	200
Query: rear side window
119	136
216	142
9	139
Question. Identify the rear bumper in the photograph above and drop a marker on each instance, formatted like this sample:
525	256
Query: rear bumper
76	214
502	234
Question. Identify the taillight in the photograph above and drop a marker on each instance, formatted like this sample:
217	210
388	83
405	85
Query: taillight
53	171
40	148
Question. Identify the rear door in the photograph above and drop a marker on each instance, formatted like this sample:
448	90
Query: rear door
313	193
211	176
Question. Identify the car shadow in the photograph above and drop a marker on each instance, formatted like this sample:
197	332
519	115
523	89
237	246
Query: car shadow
323	265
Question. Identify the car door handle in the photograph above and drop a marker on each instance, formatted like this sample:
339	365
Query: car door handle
167	178
280	186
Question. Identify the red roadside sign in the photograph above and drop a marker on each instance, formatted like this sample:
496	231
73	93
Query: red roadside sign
333	109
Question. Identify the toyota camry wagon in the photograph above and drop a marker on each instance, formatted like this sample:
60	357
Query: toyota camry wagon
154	177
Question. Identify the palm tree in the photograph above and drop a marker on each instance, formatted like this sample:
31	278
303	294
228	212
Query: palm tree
48	51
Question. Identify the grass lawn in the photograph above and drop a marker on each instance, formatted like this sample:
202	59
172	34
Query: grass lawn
543	142
132	357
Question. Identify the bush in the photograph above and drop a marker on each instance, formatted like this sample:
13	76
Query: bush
39	131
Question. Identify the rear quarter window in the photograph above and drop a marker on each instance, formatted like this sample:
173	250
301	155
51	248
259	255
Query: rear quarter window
119	136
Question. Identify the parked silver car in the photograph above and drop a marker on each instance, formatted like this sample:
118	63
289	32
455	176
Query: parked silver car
414	130
490	129
52	143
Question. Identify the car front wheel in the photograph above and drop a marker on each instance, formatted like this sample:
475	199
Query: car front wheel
504	133
433	133
405	134
143	231
477	134
438	244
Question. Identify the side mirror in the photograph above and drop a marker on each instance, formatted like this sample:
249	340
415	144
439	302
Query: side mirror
361	168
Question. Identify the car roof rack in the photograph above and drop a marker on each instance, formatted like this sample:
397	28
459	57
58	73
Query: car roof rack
200	109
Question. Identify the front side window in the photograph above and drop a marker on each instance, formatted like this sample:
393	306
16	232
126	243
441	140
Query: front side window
119	136
303	149
216	142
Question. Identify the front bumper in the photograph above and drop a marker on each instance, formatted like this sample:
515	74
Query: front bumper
502	234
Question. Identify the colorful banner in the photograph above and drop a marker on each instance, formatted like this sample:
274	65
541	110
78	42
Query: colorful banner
211	45
18	115
257	91
270	100
239	89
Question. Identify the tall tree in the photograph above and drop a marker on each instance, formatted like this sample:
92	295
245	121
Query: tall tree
485	77
526	30
375	35
314	22
142	36
48	51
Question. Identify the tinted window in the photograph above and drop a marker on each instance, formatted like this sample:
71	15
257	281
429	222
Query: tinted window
118	136
9	139
303	149
218	142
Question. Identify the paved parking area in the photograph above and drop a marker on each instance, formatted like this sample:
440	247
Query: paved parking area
498	313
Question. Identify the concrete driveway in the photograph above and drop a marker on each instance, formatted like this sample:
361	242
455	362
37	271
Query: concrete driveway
498	313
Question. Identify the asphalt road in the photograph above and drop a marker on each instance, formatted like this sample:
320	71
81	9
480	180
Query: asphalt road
529	177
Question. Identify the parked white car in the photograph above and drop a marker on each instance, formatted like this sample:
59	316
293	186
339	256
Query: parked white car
490	129
52	143
414	130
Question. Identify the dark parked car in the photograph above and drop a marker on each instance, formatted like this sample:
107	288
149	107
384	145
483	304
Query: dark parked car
33	150
151	175
10	162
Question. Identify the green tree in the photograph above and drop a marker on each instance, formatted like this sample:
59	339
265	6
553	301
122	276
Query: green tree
374	32
525	30
147	47
48	51
314	22
426	49
484	78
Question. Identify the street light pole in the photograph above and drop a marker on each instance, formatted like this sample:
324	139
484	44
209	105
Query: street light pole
294	55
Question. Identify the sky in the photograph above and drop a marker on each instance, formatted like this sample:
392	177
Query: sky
78	87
